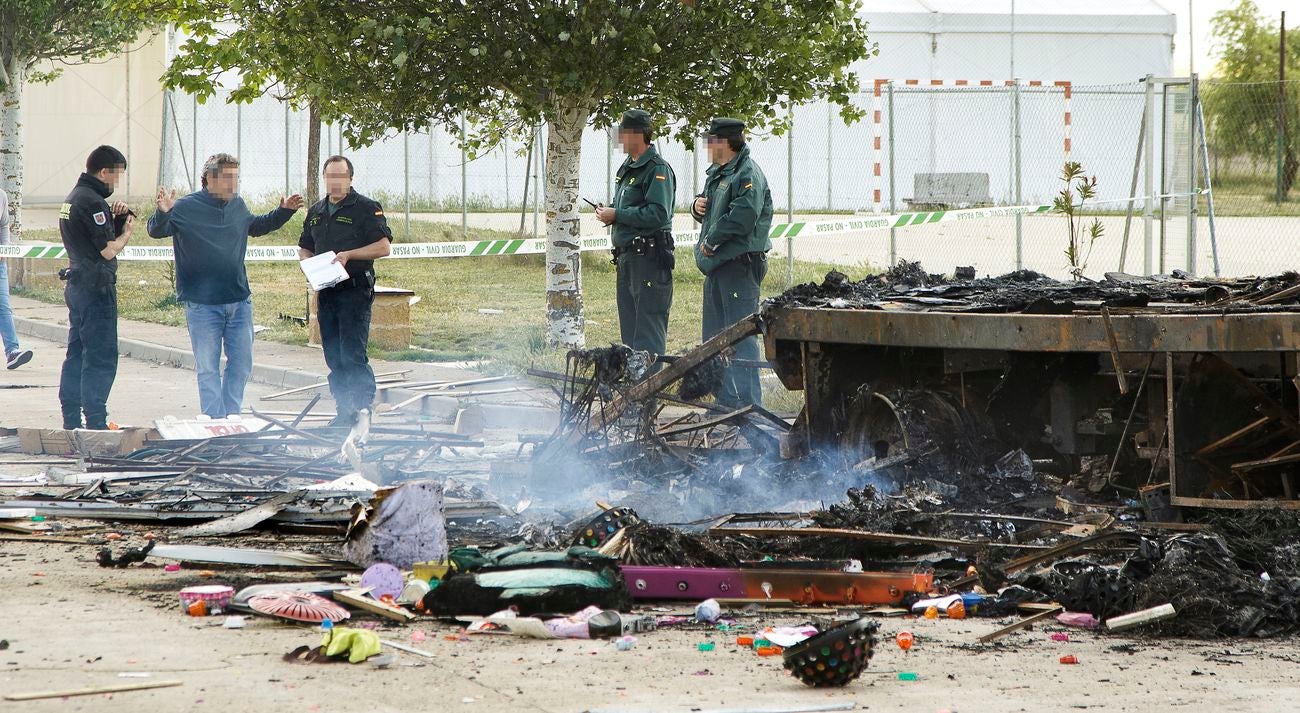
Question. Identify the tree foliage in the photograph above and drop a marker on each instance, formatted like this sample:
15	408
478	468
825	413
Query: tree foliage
61	31
1242	105
508	65
382	65
66	31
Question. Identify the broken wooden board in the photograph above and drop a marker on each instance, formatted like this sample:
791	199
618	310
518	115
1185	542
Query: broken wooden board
664	378
238	555
119	688
408	649
675	430
1138	618
242	521
887	537
360	599
1027	621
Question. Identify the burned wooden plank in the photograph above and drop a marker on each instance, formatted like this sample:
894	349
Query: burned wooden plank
883	537
245	520
1017	626
1231	437
1265	463
237	555
707	423
664	378
1113	343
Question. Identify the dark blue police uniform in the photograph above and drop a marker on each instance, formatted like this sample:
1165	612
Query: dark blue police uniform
87	225
343	310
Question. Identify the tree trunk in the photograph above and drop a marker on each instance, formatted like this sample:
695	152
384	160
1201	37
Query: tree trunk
312	193
11	141
564	318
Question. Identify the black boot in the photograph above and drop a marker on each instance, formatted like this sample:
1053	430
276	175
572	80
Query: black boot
97	421
71	419
343	420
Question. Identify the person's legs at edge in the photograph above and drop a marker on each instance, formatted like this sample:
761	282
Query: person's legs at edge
238	339
206	323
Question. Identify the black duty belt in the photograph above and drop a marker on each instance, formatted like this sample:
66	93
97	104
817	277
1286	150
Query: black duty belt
645	244
365	279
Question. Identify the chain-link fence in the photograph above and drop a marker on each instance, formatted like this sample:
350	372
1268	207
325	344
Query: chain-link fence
992	150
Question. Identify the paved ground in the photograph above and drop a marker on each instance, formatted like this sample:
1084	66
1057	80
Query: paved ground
154	377
144	391
71	624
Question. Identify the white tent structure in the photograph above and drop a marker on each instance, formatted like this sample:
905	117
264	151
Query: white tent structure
1084	42
1081	41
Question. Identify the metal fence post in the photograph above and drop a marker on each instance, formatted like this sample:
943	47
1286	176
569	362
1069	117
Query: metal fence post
537	179
433	198
464	182
239	130
789	199
194	141
505	167
893	232
1020	239
1148	180
695	167
406	178
286	148
830	165
1191	175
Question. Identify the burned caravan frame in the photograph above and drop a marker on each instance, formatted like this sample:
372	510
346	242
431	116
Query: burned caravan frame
1070	389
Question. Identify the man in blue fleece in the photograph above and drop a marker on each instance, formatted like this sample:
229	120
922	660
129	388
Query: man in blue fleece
210	232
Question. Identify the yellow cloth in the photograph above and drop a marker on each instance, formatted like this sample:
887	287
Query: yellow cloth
359	644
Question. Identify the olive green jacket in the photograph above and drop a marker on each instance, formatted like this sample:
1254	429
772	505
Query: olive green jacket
644	193
739	215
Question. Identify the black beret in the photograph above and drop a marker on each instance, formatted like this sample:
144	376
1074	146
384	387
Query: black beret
723	127
635	120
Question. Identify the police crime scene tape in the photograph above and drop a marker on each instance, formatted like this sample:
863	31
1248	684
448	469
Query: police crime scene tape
537	246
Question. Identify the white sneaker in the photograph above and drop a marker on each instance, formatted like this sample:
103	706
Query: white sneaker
18	358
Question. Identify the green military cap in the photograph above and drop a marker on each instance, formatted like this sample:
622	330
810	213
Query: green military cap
635	120
723	127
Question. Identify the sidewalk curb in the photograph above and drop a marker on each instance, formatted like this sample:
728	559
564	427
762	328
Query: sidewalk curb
438	408
161	354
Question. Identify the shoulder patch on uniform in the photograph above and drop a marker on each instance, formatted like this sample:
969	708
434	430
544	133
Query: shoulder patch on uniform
379	212
100	218
748	186
659	177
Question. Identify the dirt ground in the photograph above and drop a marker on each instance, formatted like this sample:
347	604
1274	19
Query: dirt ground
71	624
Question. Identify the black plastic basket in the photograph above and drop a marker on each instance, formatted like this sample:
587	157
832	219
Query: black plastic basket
603	526
834	657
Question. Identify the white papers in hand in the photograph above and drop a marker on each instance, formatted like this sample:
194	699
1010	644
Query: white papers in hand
322	271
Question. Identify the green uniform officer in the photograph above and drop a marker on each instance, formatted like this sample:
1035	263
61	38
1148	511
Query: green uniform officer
642	218
735	215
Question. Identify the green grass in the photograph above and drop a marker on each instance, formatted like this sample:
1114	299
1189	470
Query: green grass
1236	195
446	323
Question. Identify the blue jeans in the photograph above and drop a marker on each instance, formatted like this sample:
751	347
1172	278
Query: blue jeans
8	334
213	327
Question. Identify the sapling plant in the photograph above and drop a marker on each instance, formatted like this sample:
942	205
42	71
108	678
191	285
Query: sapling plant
1083	236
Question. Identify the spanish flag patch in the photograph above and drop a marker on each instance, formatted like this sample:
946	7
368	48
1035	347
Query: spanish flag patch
748	186
379	212
661	178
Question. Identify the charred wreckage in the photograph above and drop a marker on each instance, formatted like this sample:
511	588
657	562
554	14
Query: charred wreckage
1119	452
1105	445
